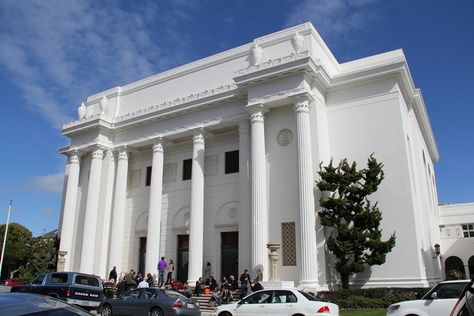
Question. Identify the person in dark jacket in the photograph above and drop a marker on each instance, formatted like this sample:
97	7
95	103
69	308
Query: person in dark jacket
113	275
244	282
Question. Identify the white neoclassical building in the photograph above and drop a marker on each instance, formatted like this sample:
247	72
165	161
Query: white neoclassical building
213	160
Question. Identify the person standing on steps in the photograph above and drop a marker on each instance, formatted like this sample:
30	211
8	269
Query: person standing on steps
170	270
162	265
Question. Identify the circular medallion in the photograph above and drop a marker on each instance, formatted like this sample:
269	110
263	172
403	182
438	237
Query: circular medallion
284	137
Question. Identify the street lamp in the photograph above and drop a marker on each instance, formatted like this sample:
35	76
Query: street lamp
5	237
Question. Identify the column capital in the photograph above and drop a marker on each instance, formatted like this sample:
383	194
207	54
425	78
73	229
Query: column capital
198	135
122	152
158	144
97	153
302	102
256	111
74	156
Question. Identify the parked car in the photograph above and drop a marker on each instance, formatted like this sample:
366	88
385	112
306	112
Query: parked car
76	288
13	304
439	301
465	304
150	302
12	282
279	302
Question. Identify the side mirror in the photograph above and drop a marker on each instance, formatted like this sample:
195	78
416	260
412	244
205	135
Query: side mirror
434	295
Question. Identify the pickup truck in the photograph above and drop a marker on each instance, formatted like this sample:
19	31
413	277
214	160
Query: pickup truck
76	288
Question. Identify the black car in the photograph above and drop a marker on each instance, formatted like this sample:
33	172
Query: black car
76	288
13	304
150	301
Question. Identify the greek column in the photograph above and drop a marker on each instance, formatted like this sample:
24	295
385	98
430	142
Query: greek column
196	232
154	212
259	209
118	212
244	194
69	211
92	207
309	261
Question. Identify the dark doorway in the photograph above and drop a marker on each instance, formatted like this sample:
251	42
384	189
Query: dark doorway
454	268
142	256
230	254
183	257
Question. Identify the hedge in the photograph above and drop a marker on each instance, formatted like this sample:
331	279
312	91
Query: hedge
371	298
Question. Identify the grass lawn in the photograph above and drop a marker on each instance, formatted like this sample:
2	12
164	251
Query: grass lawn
364	312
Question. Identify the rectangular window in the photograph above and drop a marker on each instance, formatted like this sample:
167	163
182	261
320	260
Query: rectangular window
468	230
187	169
288	241
148	176
232	162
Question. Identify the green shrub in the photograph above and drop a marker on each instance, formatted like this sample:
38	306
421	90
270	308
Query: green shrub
371	298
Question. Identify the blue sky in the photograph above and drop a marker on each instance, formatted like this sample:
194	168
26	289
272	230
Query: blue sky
53	54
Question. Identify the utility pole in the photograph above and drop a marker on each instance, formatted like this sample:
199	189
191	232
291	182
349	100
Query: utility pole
5	237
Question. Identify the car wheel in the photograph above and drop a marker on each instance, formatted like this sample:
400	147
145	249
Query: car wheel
225	314
156	312
106	311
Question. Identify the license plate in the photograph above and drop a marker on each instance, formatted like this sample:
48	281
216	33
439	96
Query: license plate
190	305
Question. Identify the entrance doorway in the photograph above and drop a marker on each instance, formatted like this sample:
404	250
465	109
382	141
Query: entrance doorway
142	256
183	257
230	254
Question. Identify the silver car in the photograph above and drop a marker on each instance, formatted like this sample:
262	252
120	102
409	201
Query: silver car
150	302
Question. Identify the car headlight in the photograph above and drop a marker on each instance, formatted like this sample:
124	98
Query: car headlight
393	308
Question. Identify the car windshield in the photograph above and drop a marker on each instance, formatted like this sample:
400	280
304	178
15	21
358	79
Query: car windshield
446	290
308	296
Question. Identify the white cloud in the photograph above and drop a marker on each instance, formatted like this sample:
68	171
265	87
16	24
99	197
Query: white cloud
52	183
59	52
334	19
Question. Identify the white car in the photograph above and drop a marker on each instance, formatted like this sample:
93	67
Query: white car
439	301
278	302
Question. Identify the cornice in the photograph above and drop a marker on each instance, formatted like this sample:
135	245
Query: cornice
191	102
271	63
206	94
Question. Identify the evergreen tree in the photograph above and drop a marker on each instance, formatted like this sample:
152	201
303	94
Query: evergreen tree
356	239
17	248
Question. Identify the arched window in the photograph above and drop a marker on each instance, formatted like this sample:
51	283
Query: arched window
471	267
454	268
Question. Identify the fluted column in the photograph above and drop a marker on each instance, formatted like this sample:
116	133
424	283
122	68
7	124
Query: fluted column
244	194
154	212
259	208
69	211
92	206
197	209
308	262
118	211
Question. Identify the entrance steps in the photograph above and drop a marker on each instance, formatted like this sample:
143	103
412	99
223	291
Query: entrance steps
205	304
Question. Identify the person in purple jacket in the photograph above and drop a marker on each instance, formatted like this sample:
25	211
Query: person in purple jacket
162	265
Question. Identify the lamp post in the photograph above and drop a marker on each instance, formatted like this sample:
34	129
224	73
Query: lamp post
5	237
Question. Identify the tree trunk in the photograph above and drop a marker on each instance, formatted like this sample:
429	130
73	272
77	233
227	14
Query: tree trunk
345	280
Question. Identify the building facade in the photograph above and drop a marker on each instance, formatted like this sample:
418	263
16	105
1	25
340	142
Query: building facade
457	239
213	160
